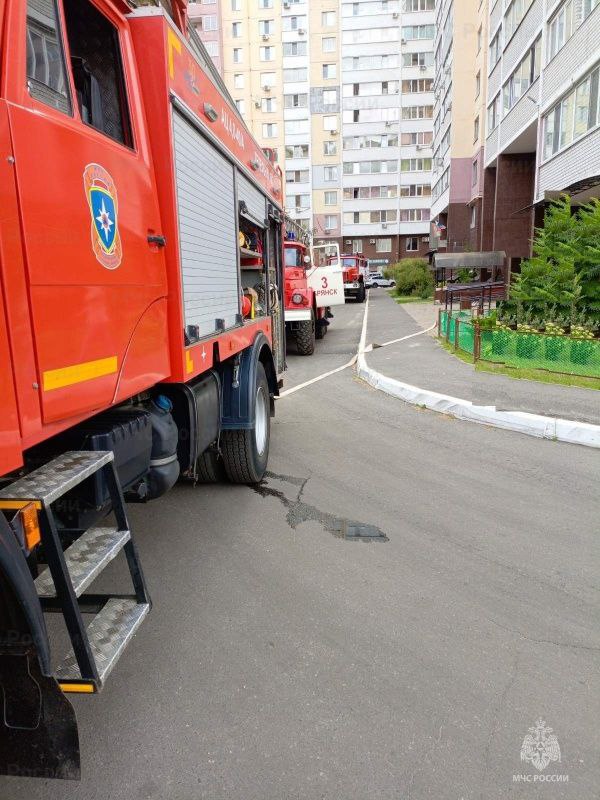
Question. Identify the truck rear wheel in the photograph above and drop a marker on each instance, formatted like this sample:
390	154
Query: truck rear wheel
246	452
305	336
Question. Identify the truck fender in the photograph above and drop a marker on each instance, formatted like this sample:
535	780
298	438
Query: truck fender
20	609
238	377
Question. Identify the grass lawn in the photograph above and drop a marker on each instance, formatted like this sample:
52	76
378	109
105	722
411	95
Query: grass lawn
540	375
408	298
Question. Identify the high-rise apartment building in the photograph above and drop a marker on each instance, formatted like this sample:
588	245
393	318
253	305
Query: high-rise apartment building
458	92
543	116
342	93
535	66
206	20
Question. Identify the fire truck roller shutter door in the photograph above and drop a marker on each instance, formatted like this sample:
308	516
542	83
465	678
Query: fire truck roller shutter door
207	230
254	200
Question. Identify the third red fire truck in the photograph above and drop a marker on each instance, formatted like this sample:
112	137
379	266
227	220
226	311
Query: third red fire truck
141	328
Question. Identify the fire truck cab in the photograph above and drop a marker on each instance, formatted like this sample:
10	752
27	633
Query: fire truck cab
356	271
141	327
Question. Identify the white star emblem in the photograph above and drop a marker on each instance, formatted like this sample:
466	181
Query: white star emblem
105	221
203	354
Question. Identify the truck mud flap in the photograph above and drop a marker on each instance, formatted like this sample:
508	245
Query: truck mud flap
38	729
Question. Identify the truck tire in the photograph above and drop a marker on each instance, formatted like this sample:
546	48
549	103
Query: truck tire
320	329
362	293
246	452
305	336
209	468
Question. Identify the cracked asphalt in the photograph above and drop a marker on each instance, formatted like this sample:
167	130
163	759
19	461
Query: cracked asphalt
290	654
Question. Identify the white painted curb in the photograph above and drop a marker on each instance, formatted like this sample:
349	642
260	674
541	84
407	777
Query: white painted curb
561	430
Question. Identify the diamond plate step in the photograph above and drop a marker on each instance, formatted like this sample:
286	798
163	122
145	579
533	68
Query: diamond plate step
57	477
85	558
109	633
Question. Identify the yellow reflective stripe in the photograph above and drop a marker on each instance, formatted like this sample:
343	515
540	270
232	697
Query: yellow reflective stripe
189	363
67	376
82	688
173	44
15	505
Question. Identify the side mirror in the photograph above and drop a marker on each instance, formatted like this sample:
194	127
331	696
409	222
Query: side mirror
306	259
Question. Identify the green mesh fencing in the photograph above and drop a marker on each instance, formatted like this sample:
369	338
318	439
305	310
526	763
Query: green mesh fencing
562	354
466	337
538	351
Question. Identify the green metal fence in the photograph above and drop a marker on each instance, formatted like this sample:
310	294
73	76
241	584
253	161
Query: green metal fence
562	354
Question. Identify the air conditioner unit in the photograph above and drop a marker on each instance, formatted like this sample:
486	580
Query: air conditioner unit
421	147
388	124
266	88
371	241
395	15
286	5
384	224
257	104
301	31
265	37
422	67
439	162
333	132
402	41
348	241
425	239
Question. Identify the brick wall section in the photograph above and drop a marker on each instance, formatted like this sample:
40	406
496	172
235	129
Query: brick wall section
515	182
488	209
459	227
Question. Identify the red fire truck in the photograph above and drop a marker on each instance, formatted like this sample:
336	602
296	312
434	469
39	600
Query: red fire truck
141	327
356	271
304	321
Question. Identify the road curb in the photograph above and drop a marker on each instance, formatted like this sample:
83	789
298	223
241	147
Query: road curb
542	427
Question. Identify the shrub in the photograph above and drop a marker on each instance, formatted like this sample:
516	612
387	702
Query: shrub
413	277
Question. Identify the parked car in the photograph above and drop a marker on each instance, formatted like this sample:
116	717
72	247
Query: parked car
376	279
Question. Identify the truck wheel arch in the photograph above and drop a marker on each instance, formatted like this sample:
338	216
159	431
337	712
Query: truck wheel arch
238	390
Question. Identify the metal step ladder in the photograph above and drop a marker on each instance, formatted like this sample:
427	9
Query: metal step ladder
61	585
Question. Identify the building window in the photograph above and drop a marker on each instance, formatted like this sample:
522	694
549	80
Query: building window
236	5
383	245
329	97
294	126
474	173
269	130
331	198
525	74
296	176
329	147
295	100
330	122
477	85
473	216
266	27
494	113
267	79
263	3
514	15
294	23
296	151
210	22
267	53
495	49
241	106
328	19
46	70
329	71
268	105
328	44
236	29
476	129
575	115
331	222
560	28
238	55
357	246
295	75
330	173
212	48
294	48
412	244
238	80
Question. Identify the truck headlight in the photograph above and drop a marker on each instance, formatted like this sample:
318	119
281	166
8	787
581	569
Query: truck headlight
297	298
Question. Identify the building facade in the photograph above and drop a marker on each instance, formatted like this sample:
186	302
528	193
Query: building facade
543	117
206	20
342	93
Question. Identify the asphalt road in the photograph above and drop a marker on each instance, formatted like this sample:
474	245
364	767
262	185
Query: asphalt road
287	658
